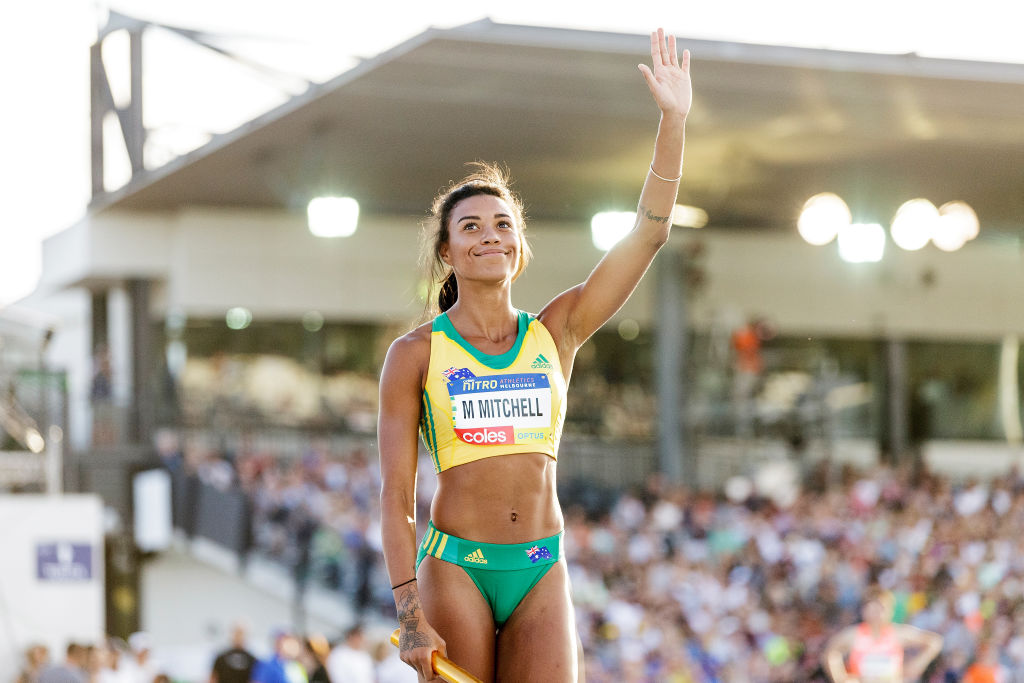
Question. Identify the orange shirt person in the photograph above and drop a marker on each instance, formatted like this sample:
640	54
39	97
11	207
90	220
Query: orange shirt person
986	669
874	650
746	344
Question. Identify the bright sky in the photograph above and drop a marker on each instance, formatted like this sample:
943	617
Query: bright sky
191	92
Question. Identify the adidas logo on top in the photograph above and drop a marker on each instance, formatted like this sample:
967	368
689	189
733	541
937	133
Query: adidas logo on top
541	363
476	556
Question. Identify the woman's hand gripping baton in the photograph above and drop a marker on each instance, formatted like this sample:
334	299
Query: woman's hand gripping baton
444	667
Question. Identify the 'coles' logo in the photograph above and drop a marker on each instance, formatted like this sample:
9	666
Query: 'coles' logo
486	435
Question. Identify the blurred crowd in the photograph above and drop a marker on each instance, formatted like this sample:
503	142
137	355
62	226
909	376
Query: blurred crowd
679	586
110	661
671	586
293	659
317	514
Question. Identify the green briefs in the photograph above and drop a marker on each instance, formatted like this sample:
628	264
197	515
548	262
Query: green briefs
504	572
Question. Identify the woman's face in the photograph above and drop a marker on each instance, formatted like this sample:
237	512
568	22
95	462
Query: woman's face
876	612
483	239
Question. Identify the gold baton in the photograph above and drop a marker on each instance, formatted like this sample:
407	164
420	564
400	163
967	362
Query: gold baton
444	667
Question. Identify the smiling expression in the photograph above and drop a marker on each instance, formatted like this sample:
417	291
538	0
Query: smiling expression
483	239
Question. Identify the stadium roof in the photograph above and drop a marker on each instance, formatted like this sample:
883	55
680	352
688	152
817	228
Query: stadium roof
570	115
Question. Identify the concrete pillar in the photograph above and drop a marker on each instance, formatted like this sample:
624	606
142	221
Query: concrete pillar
896	427
99	321
140	408
676	461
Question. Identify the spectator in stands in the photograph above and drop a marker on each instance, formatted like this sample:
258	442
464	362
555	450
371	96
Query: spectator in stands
283	665
389	667
139	665
317	651
101	394
747	367
72	670
876	647
349	661
234	665
987	667
37	658
112	668
95	661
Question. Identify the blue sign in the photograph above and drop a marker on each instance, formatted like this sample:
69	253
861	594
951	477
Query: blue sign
64	561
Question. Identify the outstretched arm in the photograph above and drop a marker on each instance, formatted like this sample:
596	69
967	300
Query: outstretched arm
577	313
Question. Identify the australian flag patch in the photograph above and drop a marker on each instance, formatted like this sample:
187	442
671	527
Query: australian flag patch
538	553
452	374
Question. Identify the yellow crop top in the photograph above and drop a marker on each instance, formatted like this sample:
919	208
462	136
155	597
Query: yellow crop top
476	405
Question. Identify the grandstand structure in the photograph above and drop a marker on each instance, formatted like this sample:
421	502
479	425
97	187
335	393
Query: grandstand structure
154	264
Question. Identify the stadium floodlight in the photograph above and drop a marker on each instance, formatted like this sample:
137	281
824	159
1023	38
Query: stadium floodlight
689	216
332	216
238	318
824	215
861	243
608	227
914	224
34	440
313	321
949	234
957	225
965	215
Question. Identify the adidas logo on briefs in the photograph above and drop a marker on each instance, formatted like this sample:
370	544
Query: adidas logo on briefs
475	556
541	363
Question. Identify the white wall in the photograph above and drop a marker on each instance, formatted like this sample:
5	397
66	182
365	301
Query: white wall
267	261
55	605
973	293
117	245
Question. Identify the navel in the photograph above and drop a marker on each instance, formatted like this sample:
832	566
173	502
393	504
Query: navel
514	516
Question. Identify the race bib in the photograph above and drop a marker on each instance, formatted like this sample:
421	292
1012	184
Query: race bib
879	666
493	410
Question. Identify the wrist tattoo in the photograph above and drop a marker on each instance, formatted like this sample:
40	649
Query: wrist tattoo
412	640
651	217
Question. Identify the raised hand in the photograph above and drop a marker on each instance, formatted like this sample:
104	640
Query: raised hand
668	78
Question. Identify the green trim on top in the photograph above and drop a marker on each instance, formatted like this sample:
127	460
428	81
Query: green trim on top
499	362
430	432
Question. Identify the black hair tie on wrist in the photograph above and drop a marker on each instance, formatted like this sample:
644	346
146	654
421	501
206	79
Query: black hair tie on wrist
403	583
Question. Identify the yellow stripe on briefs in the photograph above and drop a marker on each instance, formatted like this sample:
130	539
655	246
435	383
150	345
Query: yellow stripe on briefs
426	538
440	548
437	537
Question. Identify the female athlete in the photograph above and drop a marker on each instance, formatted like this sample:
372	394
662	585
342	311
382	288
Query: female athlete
484	385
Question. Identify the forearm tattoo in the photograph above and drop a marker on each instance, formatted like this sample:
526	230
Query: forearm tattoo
646	213
408	605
